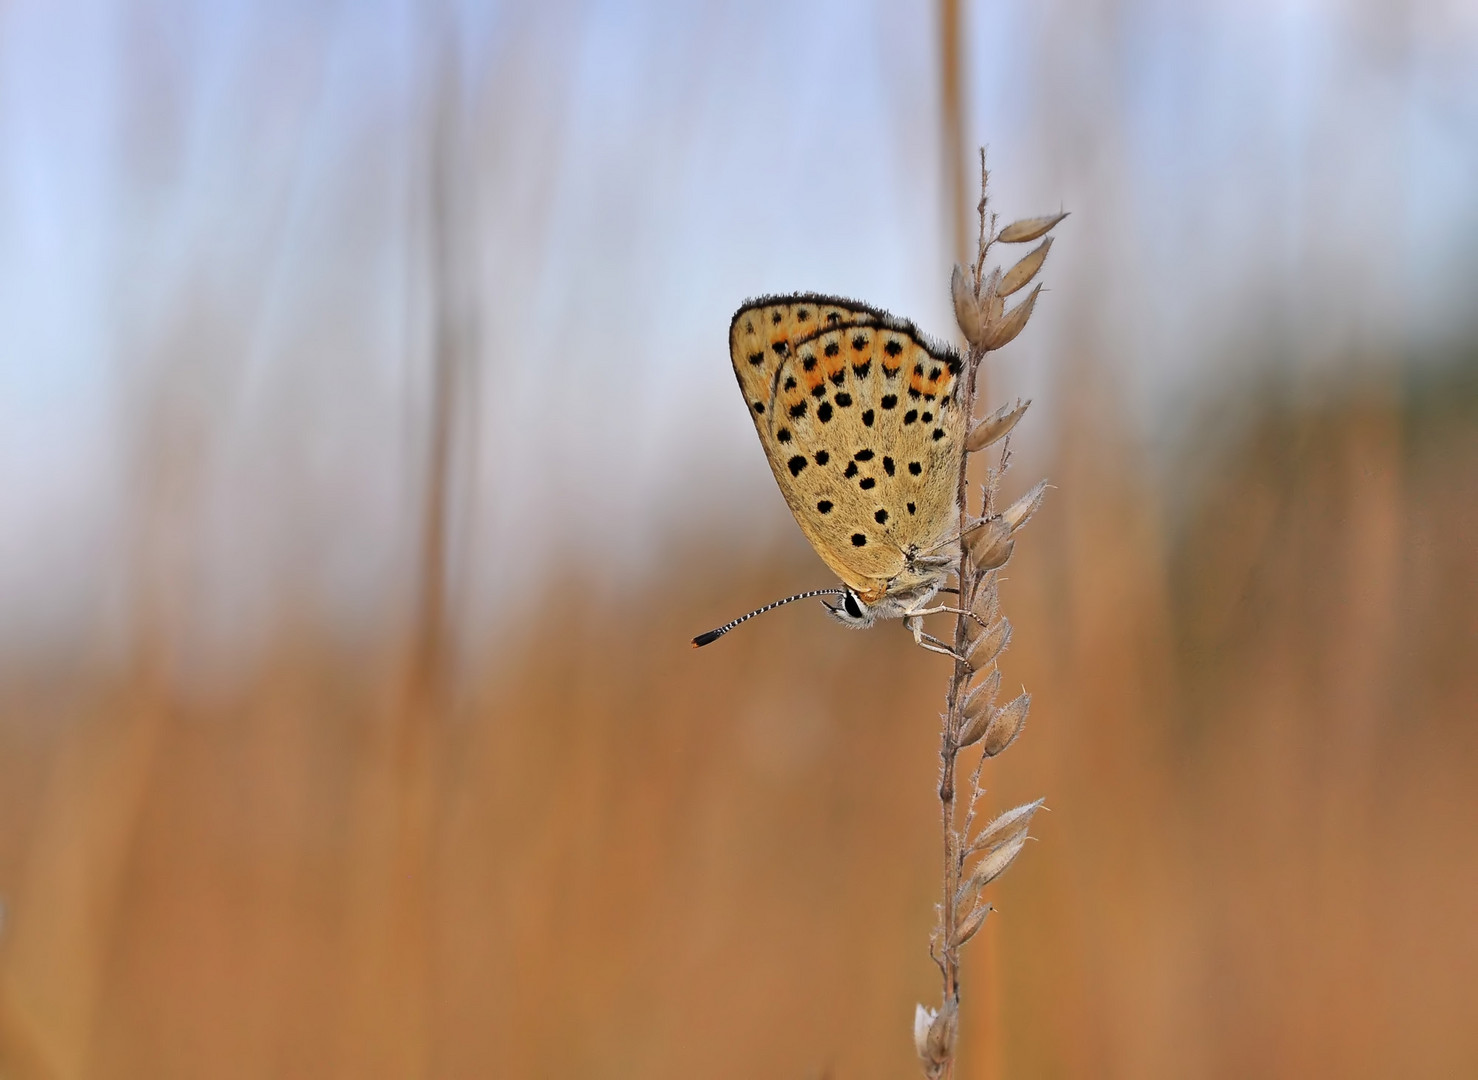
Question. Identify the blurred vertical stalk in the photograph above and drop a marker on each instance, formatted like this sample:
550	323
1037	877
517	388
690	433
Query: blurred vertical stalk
391	1022
952	129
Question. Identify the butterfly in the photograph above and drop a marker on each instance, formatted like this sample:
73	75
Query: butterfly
861	419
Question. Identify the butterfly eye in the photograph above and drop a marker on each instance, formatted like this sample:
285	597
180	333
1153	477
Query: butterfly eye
849	602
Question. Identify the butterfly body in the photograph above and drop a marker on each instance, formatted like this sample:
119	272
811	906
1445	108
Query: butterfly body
860	418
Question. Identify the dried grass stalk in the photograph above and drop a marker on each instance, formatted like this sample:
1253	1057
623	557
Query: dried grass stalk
973	860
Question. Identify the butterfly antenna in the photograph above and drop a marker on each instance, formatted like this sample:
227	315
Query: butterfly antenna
714	635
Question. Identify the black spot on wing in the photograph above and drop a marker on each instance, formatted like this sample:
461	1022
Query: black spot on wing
938	434
867	483
889	401
859	540
798	410
911	508
910	416
867	418
796	464
824	413
893	348
756	358
888	465
881	517
863	455
759	407
783	435
914	468
843	399
851	470
832	348
824	506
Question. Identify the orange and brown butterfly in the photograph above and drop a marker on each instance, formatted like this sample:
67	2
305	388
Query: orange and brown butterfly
859	414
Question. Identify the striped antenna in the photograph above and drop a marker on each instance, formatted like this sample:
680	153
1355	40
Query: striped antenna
714	635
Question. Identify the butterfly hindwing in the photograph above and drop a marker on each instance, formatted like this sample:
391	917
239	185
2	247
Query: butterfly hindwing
859	416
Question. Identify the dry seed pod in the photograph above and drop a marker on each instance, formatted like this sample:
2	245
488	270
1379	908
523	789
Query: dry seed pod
990	288
967	308
972	923
1003	828
1019	513
990	544
995	426
987	606
923	1017
1028	229
1006	724
1021	274
978	701
1002	330
992	306
977	709
992	866
988	644
994	557
939	1043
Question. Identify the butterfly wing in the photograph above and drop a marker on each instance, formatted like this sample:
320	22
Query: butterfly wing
859	416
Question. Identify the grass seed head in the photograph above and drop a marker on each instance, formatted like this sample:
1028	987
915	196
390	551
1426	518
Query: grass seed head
977	708
990	544
1021	274
937	1045
1019	513
996	426
967	307
973	922
1028	229
1006	724
992	866
989	644
1001	330
1003	828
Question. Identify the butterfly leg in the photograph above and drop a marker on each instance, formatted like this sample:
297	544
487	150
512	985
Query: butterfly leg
915	626
942	608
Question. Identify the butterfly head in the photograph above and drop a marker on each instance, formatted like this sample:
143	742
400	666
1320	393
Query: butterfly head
892	599
852	610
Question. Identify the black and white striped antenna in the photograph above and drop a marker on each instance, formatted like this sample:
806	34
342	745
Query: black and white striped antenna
714	635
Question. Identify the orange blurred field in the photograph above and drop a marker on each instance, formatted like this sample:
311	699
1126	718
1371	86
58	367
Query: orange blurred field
606	854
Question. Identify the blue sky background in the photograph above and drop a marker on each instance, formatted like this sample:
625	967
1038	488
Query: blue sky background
216	279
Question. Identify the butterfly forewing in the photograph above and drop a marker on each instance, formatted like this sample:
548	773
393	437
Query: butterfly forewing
860	419
760	336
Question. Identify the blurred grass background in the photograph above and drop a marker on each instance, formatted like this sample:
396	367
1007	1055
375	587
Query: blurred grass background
369	454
